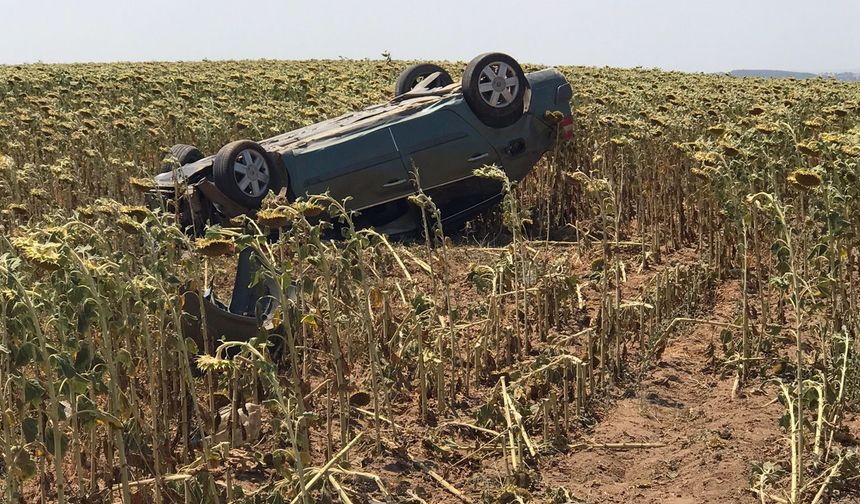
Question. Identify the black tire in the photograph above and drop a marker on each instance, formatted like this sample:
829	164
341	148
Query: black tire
180	155
479	90
411	76
230	180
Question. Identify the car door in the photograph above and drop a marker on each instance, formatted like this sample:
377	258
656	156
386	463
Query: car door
443	147
446	149
367	167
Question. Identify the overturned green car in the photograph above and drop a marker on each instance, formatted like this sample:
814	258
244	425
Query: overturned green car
434	131
443	130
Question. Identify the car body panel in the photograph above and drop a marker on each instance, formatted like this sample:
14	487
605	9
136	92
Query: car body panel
368	168
443	147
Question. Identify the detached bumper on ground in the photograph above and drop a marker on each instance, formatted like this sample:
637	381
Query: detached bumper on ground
249	313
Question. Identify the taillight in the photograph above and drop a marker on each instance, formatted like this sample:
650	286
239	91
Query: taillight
566	126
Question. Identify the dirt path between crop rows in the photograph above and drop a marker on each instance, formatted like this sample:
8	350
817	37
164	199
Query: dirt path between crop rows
711	438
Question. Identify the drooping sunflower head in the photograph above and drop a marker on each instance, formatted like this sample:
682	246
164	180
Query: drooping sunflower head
141	184
137	213
308	208
18	209
756	110
730	149
43	255
814	122
129	225
210	363
553	116
273	218
767	127
707	158
106	206
703	173
215	247
852	150
805	179
809	148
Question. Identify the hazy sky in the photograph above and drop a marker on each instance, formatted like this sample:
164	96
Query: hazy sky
699	35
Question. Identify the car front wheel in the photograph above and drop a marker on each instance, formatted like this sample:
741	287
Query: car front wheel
412	76
494	86
245	173
180	155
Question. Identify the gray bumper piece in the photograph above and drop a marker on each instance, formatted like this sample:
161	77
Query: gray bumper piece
249	313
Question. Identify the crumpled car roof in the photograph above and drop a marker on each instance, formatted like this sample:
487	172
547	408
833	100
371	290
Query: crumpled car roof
361	120
340	128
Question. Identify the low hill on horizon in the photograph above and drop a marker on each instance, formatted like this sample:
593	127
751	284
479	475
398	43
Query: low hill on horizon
784	74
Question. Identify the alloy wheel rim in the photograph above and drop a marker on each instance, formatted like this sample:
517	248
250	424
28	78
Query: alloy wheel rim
498	84
251	173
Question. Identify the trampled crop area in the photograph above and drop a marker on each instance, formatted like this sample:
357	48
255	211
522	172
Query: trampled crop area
665	310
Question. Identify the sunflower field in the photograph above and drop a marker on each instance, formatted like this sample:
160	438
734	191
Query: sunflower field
706	213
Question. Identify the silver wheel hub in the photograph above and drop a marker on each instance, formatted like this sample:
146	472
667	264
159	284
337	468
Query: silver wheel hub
251	172
498	84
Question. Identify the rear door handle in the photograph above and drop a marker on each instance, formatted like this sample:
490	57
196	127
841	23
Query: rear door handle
395	183
478	157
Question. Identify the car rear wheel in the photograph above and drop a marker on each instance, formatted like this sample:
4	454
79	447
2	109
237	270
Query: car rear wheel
245	172
415	74
180	155
494	86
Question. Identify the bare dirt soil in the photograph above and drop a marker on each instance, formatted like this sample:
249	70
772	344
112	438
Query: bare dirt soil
710	434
